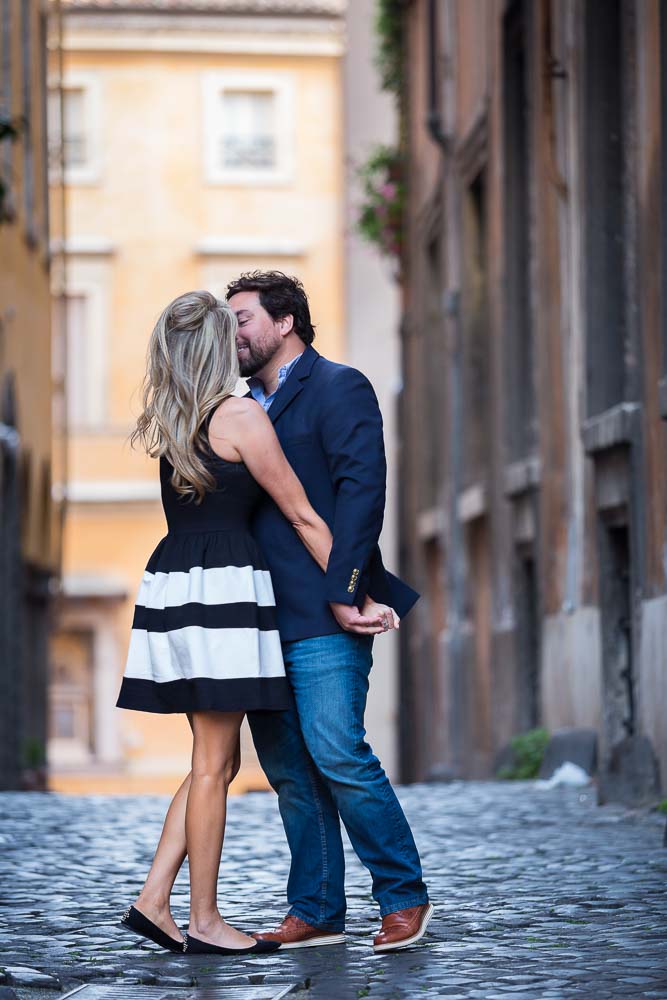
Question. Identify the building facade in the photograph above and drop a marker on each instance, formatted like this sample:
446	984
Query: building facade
372	344
533	433
201	140
31	425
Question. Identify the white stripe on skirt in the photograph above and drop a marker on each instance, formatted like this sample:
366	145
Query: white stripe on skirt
195	651
218	585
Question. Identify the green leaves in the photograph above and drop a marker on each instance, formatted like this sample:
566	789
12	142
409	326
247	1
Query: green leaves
527	753
389	28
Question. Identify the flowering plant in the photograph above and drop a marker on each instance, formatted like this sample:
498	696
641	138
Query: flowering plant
380	218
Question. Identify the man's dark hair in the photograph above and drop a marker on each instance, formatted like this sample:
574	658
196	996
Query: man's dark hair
281	296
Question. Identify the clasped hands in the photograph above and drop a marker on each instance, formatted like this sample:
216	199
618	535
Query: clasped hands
372	619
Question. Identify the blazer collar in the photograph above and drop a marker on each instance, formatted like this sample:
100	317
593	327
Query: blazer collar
294	383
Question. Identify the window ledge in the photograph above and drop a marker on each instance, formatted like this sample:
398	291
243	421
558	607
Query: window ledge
249	178
85	586
84	246
222	246
522	476
616	426
112	491
471	503
431	523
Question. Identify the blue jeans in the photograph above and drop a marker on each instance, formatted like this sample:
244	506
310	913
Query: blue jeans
317	759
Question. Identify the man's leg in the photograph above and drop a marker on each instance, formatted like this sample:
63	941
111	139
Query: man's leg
329	677
316	884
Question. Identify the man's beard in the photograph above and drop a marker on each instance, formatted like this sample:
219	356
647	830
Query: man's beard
256	357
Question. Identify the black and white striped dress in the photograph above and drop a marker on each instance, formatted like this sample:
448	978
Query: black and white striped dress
204	634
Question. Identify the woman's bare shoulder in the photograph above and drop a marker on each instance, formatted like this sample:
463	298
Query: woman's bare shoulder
238	412
238	406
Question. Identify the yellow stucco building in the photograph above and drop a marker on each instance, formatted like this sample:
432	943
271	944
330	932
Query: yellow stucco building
201	140
31	441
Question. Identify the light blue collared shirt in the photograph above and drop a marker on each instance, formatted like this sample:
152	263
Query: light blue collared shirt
256	386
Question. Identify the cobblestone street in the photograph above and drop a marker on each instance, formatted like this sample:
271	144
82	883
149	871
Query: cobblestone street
538	894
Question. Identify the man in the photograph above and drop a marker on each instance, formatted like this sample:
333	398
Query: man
328	422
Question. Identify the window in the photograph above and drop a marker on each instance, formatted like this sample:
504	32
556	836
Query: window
59	363
605	139
74	133
248	129
83	673
475	331
71	728
247	125
86	384
75	125
434	410
64	724
55	131
522	430
77	395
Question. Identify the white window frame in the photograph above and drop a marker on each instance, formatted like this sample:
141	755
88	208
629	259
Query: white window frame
88	174
216	83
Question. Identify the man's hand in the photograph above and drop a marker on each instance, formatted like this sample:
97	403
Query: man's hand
373	619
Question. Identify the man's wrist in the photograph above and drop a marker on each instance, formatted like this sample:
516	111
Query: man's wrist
343	599
338	608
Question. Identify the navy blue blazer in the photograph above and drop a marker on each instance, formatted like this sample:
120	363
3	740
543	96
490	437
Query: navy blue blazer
329	424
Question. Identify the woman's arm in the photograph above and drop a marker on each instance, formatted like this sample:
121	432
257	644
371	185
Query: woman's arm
241	427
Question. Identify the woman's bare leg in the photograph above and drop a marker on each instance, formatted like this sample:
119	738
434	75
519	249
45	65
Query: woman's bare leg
154	899
214	754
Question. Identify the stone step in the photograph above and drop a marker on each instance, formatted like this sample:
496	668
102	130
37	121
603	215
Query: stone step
129	991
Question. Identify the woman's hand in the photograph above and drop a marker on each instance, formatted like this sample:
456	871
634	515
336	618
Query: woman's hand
373	619
388	618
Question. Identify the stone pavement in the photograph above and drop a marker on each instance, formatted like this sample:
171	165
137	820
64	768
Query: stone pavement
538	894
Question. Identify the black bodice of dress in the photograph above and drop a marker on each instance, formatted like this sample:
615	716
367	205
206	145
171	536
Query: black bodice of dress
227	508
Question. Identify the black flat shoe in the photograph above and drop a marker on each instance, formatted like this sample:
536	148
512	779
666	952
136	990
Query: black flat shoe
135	921
193	946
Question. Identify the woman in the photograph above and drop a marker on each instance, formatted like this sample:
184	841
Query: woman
204	639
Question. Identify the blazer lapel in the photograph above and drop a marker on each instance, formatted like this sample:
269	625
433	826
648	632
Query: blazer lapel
294	383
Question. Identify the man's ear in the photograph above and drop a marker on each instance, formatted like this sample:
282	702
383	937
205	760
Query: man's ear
286	324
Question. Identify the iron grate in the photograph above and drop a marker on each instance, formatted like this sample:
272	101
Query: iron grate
129	991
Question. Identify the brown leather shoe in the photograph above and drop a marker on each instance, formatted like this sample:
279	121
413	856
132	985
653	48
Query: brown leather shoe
296	933
403	928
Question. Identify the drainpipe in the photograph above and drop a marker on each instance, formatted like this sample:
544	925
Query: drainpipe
456	570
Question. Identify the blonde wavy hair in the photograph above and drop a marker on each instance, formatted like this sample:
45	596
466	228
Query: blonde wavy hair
191	366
